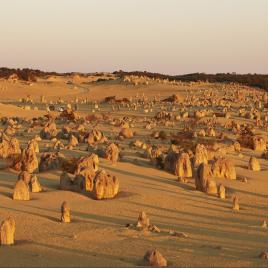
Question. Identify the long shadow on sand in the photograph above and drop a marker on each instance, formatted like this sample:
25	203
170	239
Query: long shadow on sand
31	213
132	174
107	220
200	218
85	253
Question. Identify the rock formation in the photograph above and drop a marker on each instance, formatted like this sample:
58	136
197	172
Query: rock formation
105	185
65	182
224	168
221	192
112	153
91	161
201	155
254	164
86	176
183	168
235	203
50	161
95	136
203	175
211	187
21	191
126	133
9	147
35	185
49	131
143	221
155	258
65	213
7	232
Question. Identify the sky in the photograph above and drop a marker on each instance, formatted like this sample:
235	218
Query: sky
165	36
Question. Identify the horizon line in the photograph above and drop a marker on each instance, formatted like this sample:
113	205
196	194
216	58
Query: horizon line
132	71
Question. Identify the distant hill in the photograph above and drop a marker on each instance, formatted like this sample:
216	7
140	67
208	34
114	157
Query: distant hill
30	75
254	80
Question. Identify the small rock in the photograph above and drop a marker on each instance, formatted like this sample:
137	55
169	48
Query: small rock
143	221
155	258
65	212
178	234
264	255
183	180
245	180
235	203
221	192
154	229
264	224
74	237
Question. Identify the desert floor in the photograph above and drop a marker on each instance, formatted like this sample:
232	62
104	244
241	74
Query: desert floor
217	236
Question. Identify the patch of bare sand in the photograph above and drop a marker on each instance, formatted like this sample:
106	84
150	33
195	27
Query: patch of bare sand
8	110
97	236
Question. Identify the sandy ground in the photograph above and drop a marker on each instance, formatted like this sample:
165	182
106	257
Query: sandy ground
97	236
8	110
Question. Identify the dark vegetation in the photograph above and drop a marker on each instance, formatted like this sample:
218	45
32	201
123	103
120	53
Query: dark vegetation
254	80
23	74
29	74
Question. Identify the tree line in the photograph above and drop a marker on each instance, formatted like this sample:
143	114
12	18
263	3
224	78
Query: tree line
253	80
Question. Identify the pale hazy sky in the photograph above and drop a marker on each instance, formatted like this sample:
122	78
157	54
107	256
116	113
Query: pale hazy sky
167	36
